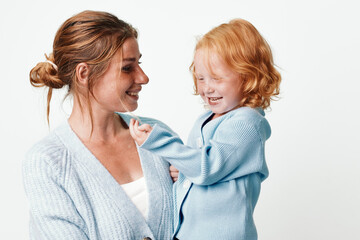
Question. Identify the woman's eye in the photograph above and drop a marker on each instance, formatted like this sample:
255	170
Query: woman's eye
129	68
126	68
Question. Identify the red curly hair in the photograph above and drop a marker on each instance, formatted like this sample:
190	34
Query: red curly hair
246	52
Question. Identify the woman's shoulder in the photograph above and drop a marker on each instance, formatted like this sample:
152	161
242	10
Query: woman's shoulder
48	152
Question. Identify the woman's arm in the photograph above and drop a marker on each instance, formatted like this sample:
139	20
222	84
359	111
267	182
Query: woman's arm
53	214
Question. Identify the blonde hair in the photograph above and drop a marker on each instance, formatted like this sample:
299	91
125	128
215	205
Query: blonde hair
91	37
246	52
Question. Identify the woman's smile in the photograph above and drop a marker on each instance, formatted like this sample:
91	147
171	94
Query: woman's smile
133	94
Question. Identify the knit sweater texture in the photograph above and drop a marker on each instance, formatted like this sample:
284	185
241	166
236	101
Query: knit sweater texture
73	196
221	170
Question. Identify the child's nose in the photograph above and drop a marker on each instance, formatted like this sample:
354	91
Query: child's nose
209	88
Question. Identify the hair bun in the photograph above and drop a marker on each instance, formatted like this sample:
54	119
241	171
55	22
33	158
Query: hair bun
45	74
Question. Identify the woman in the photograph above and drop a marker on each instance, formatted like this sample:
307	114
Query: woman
87	179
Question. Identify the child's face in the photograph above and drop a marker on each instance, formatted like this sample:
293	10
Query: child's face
218	87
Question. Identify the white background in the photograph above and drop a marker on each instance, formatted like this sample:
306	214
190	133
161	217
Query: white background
313	191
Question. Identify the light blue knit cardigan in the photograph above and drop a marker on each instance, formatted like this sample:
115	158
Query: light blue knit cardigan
72	195
221	170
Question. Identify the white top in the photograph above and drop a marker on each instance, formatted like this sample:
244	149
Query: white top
73	196
138	194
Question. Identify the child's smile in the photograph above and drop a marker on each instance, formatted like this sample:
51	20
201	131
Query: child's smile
214	100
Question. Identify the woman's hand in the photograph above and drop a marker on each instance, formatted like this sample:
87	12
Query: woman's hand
174	173
139	133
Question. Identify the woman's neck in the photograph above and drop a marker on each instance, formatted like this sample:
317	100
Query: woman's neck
102	127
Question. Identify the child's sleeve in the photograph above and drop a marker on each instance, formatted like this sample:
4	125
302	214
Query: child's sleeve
236	150
52	211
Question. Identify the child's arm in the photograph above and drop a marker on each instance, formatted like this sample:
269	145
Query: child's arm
139	133
237	150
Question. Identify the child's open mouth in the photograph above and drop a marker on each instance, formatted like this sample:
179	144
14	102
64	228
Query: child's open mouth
214	100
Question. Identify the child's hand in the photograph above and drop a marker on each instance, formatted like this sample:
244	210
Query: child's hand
174	173
139	133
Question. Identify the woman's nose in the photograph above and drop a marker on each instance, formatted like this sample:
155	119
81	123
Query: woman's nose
141	77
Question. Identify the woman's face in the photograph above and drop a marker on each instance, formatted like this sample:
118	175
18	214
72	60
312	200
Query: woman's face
118	89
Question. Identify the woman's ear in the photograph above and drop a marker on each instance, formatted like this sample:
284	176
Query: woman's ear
82	74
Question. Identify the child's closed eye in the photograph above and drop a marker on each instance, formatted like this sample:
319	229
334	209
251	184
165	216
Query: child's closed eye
199	78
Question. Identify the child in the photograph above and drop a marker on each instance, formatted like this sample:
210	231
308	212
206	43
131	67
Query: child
223	165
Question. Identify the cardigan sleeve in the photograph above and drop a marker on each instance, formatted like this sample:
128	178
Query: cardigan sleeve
52	211
236	150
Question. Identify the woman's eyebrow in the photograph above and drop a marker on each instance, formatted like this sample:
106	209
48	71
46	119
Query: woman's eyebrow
131	59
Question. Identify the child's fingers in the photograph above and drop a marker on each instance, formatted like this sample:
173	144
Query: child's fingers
173	169
136	125
137	130
138	133
131	128
174	173
145	128
131	124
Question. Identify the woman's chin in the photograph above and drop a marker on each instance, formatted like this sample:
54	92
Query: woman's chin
129	107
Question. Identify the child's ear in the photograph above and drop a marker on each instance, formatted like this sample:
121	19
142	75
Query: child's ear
82	73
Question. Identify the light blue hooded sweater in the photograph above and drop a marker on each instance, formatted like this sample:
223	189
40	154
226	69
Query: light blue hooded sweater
221	170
